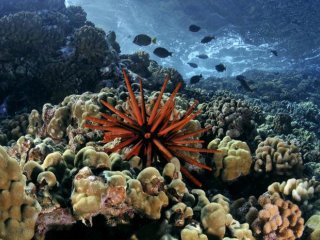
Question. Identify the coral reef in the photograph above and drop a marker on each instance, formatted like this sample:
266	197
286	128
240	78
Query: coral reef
90	45
14	6
150	71
122	162
229	116
303	192
313	225
138	63
282	123
234	159
91	196
13	128
158	133
278	219
18	210
274	156
55	49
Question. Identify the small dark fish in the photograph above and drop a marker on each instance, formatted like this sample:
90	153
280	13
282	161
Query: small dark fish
202	56
195	79
274	52
143	40
162	52
207	39
220	67
191	64
243	82
194	28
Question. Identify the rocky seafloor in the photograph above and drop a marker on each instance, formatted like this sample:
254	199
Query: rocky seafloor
57	181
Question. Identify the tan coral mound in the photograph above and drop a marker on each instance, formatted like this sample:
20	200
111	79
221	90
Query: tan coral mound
214	219
89	157
278	157
233	159
279	219
314	224
18	211
145	193
230	117
92	196
299	190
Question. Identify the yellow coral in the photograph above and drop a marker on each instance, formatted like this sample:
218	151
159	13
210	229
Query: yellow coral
144	203
240	231
18	212
233	160
89	157
214	219
57	125
179	213
52	159
86	195
191	232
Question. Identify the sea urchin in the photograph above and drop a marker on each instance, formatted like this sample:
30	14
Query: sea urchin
161	133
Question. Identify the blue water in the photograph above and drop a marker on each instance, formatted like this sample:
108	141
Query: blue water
246	31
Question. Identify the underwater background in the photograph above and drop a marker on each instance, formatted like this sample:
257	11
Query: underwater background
138	119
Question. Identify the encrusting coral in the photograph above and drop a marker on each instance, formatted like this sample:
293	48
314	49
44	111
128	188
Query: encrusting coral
125	160
179	214
160	132
192	232
217	220
12	129
87	156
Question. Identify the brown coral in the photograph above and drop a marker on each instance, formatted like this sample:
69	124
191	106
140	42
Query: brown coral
279	219
278	157
230	117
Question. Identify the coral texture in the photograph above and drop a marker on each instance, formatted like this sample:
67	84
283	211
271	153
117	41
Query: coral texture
278	157
18	211
230	117
279	219
234	159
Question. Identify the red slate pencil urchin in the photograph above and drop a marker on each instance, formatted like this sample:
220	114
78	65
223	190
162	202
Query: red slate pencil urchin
155	134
